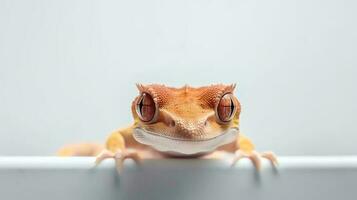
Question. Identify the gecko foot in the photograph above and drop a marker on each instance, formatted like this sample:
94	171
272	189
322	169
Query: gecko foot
119	157
255	157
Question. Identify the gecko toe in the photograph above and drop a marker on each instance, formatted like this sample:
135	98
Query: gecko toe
271	157
121	156
253	156
105	154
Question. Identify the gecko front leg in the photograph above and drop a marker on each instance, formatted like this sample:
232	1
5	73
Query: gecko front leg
246	149
116	149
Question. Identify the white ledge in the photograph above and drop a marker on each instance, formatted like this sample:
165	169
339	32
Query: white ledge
293	162
77	178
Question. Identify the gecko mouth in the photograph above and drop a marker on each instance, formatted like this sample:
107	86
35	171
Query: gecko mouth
182	147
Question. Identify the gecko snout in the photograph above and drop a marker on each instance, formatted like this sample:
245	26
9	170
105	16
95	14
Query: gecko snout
190	129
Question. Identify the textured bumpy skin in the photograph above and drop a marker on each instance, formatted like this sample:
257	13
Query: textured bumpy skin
185	113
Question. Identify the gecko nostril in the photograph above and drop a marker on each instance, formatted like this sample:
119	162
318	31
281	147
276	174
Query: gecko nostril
205	124
172	123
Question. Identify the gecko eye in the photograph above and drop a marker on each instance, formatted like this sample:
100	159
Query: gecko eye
146	107
226	108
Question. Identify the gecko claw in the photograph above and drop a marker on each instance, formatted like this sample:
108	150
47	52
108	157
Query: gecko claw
119	157
105	154
271	157
255	157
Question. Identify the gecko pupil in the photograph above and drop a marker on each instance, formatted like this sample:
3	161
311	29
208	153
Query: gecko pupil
146	107
226	107
232	107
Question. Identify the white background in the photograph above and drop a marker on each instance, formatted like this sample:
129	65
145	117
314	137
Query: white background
68	68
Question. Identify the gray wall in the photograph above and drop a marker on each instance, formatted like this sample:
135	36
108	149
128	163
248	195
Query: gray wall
68	68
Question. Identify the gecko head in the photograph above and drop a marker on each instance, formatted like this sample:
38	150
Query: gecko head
184	115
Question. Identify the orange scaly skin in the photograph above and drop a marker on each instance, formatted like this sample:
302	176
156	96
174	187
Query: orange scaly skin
188	114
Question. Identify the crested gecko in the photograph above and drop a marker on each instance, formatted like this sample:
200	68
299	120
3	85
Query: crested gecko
189	122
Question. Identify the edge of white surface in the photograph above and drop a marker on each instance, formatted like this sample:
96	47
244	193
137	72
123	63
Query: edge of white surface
293	162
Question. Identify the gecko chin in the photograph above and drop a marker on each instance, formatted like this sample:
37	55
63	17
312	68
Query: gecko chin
184	147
